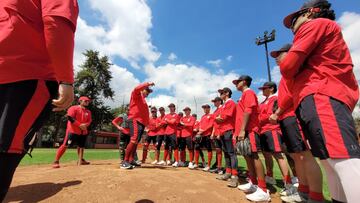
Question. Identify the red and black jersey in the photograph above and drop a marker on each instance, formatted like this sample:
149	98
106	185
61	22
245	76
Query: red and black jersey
266	109
206	124
228	114
139	109
188	127
328	67
248	103
171	121
77	116
153	127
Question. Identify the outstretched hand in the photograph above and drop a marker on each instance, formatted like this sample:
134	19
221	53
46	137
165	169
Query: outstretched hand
66	97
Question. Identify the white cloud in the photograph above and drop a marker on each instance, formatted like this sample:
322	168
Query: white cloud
350	23
229	58
190	85
216	63
123	33
172	57
275	74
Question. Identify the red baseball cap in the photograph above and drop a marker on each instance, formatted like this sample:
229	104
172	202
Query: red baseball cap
84	98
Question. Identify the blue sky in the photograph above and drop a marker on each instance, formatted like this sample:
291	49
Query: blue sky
212	38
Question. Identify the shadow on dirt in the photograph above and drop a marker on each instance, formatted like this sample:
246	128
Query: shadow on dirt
37	192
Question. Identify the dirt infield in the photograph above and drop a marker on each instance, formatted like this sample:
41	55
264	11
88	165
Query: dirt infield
103	181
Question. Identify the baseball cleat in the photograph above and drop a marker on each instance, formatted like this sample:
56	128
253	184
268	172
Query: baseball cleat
288	190
154	162
296	197
168	162
225	176
162	162
84	162
56	164
248	187
234	180
206	169
126	165
191	165
295	181
135	163
270	180
175	164
259	196
181	164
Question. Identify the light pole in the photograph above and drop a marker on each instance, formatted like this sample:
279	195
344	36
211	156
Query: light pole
264	40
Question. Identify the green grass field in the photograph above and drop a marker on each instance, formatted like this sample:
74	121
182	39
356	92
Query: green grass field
46	156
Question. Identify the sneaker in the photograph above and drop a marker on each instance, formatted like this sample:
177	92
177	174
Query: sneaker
206	169
270	180
196	166
181	164
162	162
138	162
214	170
293	198
225	176
295	181
259	196
288	190
56	164
191	165
154	162
168	162
175	164
126	165
135	163
248	187
233	182
221	172
84	162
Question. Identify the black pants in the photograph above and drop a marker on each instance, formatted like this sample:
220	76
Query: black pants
8	164
229	151
124	140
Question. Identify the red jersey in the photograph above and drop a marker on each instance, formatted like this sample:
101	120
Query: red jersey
228	114
196	127
162	125
179	127
188	127
139	109
206	124
266	109
171	120
216	125
328	68
23	39
285	101
79	116
120	121
153	127
248	103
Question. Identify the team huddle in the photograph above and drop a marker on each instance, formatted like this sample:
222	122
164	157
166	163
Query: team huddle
308	115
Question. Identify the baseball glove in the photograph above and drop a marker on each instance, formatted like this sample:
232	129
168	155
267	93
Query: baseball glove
243	147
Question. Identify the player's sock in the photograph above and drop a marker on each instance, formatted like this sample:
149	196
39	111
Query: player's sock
253	179
191	155
317	196
303	188
209	158
234	172
176	155
129	151
262	184
269	173
219	157
287	179
145	152
228	170
166	153
197	154
60	152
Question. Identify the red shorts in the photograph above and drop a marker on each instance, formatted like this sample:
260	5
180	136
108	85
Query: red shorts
329	126
25	105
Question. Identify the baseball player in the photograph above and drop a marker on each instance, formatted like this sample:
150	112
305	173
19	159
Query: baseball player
79	119
205	130
293	138
215	137
247	124
318	70
187	122
270	137
226	120
36	73
152	132
195	131
138	119
160	138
